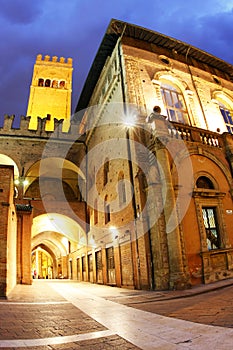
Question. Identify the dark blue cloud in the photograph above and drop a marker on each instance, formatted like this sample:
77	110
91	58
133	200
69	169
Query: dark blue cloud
21	11
75	29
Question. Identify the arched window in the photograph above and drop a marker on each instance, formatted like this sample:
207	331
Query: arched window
41	82
47	82
55	84
121	188
209	215
204	182
106	210
174	102
211	227
62	84
226	113
106	171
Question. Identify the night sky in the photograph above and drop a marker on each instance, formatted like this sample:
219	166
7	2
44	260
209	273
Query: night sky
74	28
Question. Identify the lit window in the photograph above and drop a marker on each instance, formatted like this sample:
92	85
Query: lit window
226	113
174	103
210	222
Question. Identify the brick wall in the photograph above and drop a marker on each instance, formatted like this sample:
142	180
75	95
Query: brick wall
7	231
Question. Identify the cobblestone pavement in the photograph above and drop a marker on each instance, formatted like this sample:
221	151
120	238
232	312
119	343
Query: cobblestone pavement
38	314
71	315
212	308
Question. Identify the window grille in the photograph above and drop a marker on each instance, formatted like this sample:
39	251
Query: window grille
210	222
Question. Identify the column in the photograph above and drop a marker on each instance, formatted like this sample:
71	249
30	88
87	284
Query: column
178	279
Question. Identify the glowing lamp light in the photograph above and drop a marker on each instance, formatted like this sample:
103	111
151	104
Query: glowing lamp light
21	181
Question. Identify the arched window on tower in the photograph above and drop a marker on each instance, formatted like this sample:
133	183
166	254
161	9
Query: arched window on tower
47	83
41	82
62	84
227	116
174	102
55	84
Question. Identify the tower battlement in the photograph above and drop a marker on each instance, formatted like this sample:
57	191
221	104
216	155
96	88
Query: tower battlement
8	129
54	60
50	91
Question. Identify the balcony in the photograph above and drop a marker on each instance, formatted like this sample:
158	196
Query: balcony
193	134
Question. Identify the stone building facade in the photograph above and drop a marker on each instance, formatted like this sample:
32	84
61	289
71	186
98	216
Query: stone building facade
157	115
137	191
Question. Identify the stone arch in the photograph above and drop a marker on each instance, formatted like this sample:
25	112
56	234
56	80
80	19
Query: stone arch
61	224
192	152
223	104
172	79
208	177
55	169
53	241
6	160
223	97
46	249
54	233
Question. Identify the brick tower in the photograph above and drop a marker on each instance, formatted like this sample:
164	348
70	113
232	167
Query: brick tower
50	92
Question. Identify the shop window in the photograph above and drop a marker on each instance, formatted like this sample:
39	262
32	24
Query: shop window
90	262
98	258
174	102
226	114
78	267
211	227
110	258
84	267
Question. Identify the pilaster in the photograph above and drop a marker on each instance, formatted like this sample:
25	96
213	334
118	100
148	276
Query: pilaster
178	278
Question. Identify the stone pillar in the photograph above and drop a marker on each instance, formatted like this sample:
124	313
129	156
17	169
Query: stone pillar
65	266
178	278
7	231
157	234
24	213
37	263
